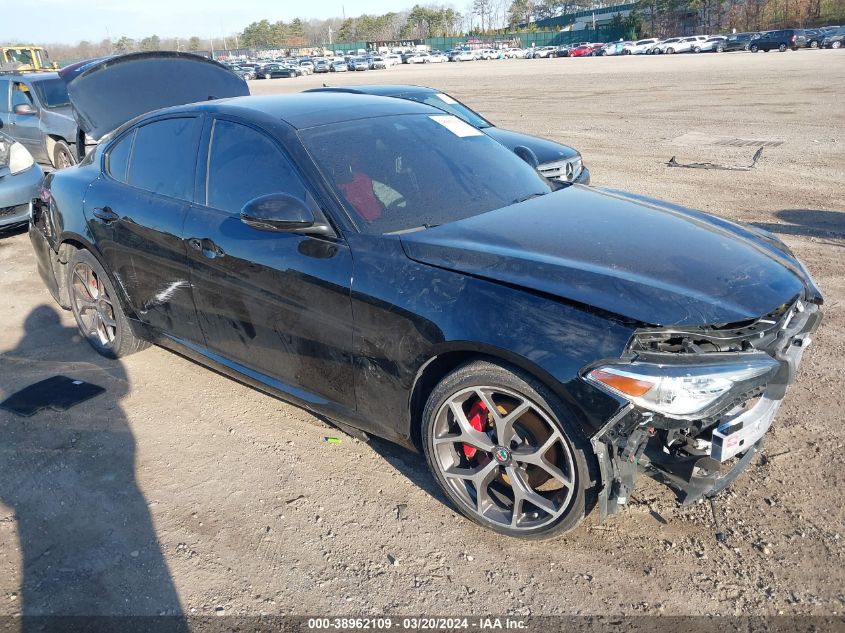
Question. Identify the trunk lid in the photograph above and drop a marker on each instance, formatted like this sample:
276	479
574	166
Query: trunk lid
107	92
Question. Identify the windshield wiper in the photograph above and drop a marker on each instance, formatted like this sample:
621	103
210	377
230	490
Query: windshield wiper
421	227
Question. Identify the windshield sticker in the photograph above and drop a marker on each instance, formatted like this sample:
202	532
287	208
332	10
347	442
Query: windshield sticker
446	98
455	125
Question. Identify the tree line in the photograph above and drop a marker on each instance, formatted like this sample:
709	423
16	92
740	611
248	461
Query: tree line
657	18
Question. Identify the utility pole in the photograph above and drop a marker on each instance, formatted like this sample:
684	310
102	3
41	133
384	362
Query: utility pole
331	46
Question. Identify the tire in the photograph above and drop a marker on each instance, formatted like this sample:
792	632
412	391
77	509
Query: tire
543	422
697	49
745	48
107	330
782	48
267	75
754	48
836	44
62	155
670	50
814	44
720	49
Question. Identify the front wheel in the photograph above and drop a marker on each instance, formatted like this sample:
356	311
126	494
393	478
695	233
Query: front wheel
503	449
720	49
62	155
267	75
697	49
836	44
754	48
782	48
97	311
814	44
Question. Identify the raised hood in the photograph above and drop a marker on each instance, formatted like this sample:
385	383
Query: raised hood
106	93
651	264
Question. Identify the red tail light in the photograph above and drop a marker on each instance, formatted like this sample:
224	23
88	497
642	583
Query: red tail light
793	38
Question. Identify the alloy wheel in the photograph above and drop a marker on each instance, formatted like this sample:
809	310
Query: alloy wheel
93	305
503	457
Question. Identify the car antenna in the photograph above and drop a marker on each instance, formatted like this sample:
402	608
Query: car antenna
721	536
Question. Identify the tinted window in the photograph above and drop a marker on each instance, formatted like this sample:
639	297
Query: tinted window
447	104
164	156
244	164
401	172
118	158
52	93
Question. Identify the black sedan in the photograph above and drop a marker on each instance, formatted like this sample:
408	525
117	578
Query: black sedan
554	160
274	71
394	269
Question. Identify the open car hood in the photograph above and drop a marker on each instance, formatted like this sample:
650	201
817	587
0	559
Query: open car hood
107	92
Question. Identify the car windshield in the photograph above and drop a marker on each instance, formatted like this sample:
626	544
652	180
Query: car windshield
448	104
52	93
403	172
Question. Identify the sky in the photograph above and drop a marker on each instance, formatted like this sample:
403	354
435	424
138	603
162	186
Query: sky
69	21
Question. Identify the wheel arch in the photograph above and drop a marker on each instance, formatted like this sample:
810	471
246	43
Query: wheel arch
447	358
67	245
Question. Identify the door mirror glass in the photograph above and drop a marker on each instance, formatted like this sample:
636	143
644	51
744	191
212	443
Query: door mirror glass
25	109
277	212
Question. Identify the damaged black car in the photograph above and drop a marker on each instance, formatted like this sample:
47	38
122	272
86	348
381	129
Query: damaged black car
393	269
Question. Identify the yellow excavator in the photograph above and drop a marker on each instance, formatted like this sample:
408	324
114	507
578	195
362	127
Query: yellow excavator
26	59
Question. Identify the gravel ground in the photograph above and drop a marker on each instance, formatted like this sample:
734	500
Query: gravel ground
179	489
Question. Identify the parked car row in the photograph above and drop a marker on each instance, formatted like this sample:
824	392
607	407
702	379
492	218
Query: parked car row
779	39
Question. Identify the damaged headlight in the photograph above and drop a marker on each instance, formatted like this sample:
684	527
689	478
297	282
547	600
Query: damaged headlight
681	390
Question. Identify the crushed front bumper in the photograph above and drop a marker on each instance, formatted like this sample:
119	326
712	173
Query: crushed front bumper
634	442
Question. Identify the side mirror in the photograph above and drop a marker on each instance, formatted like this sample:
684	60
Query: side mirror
25	109
528	155
282	212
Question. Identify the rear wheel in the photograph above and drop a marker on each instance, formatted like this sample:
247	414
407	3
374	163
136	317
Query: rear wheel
97	311
502	448
814	44
754	48
782	48
720	49
267	75
697	49
836	44
670	51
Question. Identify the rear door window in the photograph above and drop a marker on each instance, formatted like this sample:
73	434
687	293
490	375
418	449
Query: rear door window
164	157
244	164
118	157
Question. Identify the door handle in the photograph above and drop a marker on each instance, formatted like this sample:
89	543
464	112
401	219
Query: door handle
105	214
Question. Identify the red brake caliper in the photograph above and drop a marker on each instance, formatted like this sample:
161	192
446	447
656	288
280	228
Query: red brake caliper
477	417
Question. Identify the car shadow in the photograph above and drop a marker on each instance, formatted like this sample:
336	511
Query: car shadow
88	546
413	466
807	223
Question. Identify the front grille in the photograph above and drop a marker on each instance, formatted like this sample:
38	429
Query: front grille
566	170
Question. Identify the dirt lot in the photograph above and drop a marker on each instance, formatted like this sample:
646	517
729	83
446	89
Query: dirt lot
181	489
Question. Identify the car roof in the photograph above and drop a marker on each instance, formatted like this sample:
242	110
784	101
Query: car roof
304	110
34	77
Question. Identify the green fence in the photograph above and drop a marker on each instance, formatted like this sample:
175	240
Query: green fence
523	39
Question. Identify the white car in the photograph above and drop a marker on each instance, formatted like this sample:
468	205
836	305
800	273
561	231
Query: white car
465	56
640	47
393	59
378	63
662	45
420	57
715	44
544	52
685	44
437	58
